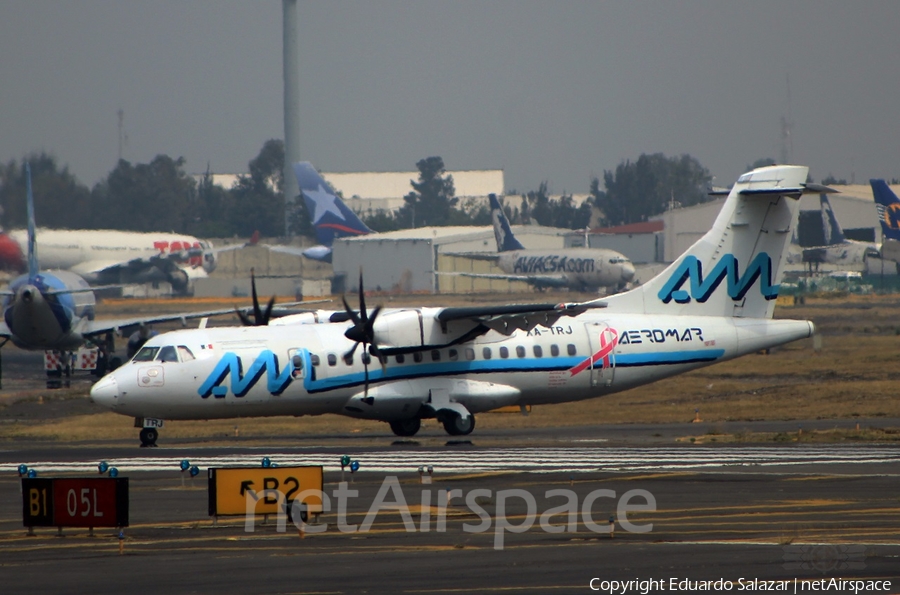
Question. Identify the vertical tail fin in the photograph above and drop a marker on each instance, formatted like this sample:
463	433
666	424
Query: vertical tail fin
32	240
887	205
833	232
735	269
331	218
506	241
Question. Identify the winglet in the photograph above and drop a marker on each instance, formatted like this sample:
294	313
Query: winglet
506	241
254	239
32	240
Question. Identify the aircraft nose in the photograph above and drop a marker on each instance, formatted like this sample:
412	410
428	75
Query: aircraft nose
627	271
105	392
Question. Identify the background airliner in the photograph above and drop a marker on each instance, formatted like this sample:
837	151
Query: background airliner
837	249
714	303
887	206
108	257
581	269
54	310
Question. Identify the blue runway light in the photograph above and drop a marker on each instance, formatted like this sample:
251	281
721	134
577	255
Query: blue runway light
354	466
23	469
102	467
266	462
195	471
113	472
185	464
32	473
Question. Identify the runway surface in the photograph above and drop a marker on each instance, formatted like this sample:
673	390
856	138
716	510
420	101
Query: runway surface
535	460
775	513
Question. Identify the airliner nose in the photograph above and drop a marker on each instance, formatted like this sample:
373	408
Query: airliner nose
105	392
627	271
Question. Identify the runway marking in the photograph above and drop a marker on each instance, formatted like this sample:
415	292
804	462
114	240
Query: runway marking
536	460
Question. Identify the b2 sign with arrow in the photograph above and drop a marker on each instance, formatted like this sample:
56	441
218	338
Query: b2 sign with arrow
263	490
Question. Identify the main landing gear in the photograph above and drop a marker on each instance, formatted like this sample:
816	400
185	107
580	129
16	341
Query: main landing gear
454	424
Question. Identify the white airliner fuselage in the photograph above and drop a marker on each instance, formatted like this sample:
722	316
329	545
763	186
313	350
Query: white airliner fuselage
251	371
107	257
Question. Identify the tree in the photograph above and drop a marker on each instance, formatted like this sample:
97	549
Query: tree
210	210
432	201
259	197
151	196
761	162
60	201
638	190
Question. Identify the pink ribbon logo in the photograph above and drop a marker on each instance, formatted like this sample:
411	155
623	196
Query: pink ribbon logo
609	338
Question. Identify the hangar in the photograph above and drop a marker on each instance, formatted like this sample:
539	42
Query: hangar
425	259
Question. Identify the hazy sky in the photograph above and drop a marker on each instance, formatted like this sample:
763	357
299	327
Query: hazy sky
546	90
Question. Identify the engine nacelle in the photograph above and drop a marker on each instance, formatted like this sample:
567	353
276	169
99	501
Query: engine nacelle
416	327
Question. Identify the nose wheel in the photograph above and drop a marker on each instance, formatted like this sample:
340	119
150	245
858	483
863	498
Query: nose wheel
148	437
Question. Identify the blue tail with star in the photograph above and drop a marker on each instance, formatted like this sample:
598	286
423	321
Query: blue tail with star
330	217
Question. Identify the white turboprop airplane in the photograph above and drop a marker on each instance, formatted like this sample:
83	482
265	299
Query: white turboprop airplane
108	257
713	304
54	310
583	269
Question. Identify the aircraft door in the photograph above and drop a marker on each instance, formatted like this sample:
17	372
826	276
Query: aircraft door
603	341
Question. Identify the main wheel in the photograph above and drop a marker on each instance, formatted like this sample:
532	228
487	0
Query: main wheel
456	425
148	437
406	427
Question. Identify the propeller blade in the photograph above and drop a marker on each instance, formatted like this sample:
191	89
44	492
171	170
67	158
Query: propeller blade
257	314
243	317
362	296
267	314
350	353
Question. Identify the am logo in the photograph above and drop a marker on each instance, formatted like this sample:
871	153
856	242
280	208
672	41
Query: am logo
701	288
230	364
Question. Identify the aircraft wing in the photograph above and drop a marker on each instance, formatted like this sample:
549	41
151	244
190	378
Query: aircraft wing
506	319
120	325
536	280
488	256
293	250
94	267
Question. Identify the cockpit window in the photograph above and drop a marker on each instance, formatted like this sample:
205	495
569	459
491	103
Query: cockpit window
185	353
146	354
167	354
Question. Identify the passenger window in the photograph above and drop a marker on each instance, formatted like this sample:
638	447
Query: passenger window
486	352
538	352
520	351
314	359
400	358
146	354
470	353
435	355
453	355
348	359
332	359
417	357
571	349
167	354
554	350
504	352
366	358
185	353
